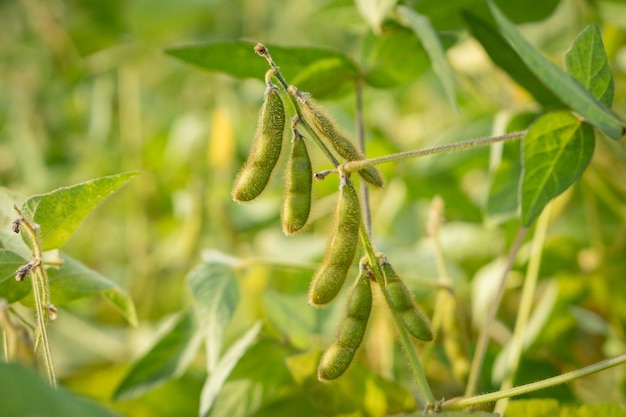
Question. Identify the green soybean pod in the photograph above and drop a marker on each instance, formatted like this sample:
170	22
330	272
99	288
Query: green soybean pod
338	357
331	274
342	145
297	202
267	144
400	301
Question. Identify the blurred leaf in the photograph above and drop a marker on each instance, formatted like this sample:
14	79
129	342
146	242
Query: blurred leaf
457	414
214	289
24	393
434	48
502	200
10	289
557	150
258	381
604	410
393	58
506	58
447	15
59	212
167	359
74	280
220	373
307	64
533	408
374	11
561	83
588	63
290	315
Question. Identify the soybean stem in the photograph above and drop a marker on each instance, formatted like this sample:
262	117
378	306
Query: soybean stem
485	330
460	403
360	133
41	292
452	147
425	395
528	294
261	50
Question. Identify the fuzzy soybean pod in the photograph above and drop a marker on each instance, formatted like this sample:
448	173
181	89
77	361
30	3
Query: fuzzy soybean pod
342	145
339	355
297	202
267	144
401	303
331	274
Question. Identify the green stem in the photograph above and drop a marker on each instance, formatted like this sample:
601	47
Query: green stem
528	295
452	147
360	133
485	330
424	393
41	292
460	403
261	50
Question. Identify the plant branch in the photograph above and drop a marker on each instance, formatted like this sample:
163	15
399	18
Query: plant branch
485	330
425	395
452	147
528	294
360	133
460	403
41	289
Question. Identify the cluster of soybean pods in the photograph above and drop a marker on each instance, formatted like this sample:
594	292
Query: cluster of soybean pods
331	274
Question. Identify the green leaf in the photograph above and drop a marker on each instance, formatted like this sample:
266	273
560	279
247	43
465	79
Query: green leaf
556	152
167	359
587	62
502	200
10	289
533	408
604	410
58	213
286	313
447	15
506	58
375	11
25	393
562	84
238	59
393	58
75	280
434	48
215	293
218	376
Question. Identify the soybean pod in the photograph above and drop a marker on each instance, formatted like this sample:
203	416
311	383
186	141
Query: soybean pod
267	144
401	302
297	202
339	355
331	274
327	129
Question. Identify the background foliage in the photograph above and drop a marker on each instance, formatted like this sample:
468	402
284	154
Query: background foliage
87	90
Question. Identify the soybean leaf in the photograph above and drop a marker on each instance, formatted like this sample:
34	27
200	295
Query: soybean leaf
10	289
434	48
587	62
562	84
533	408
215	293
74	280
218	376
374	11
285	312
238	59
604	410
59	212
506	58
394	57
167	359
502	200
447	15
24	393
556	151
